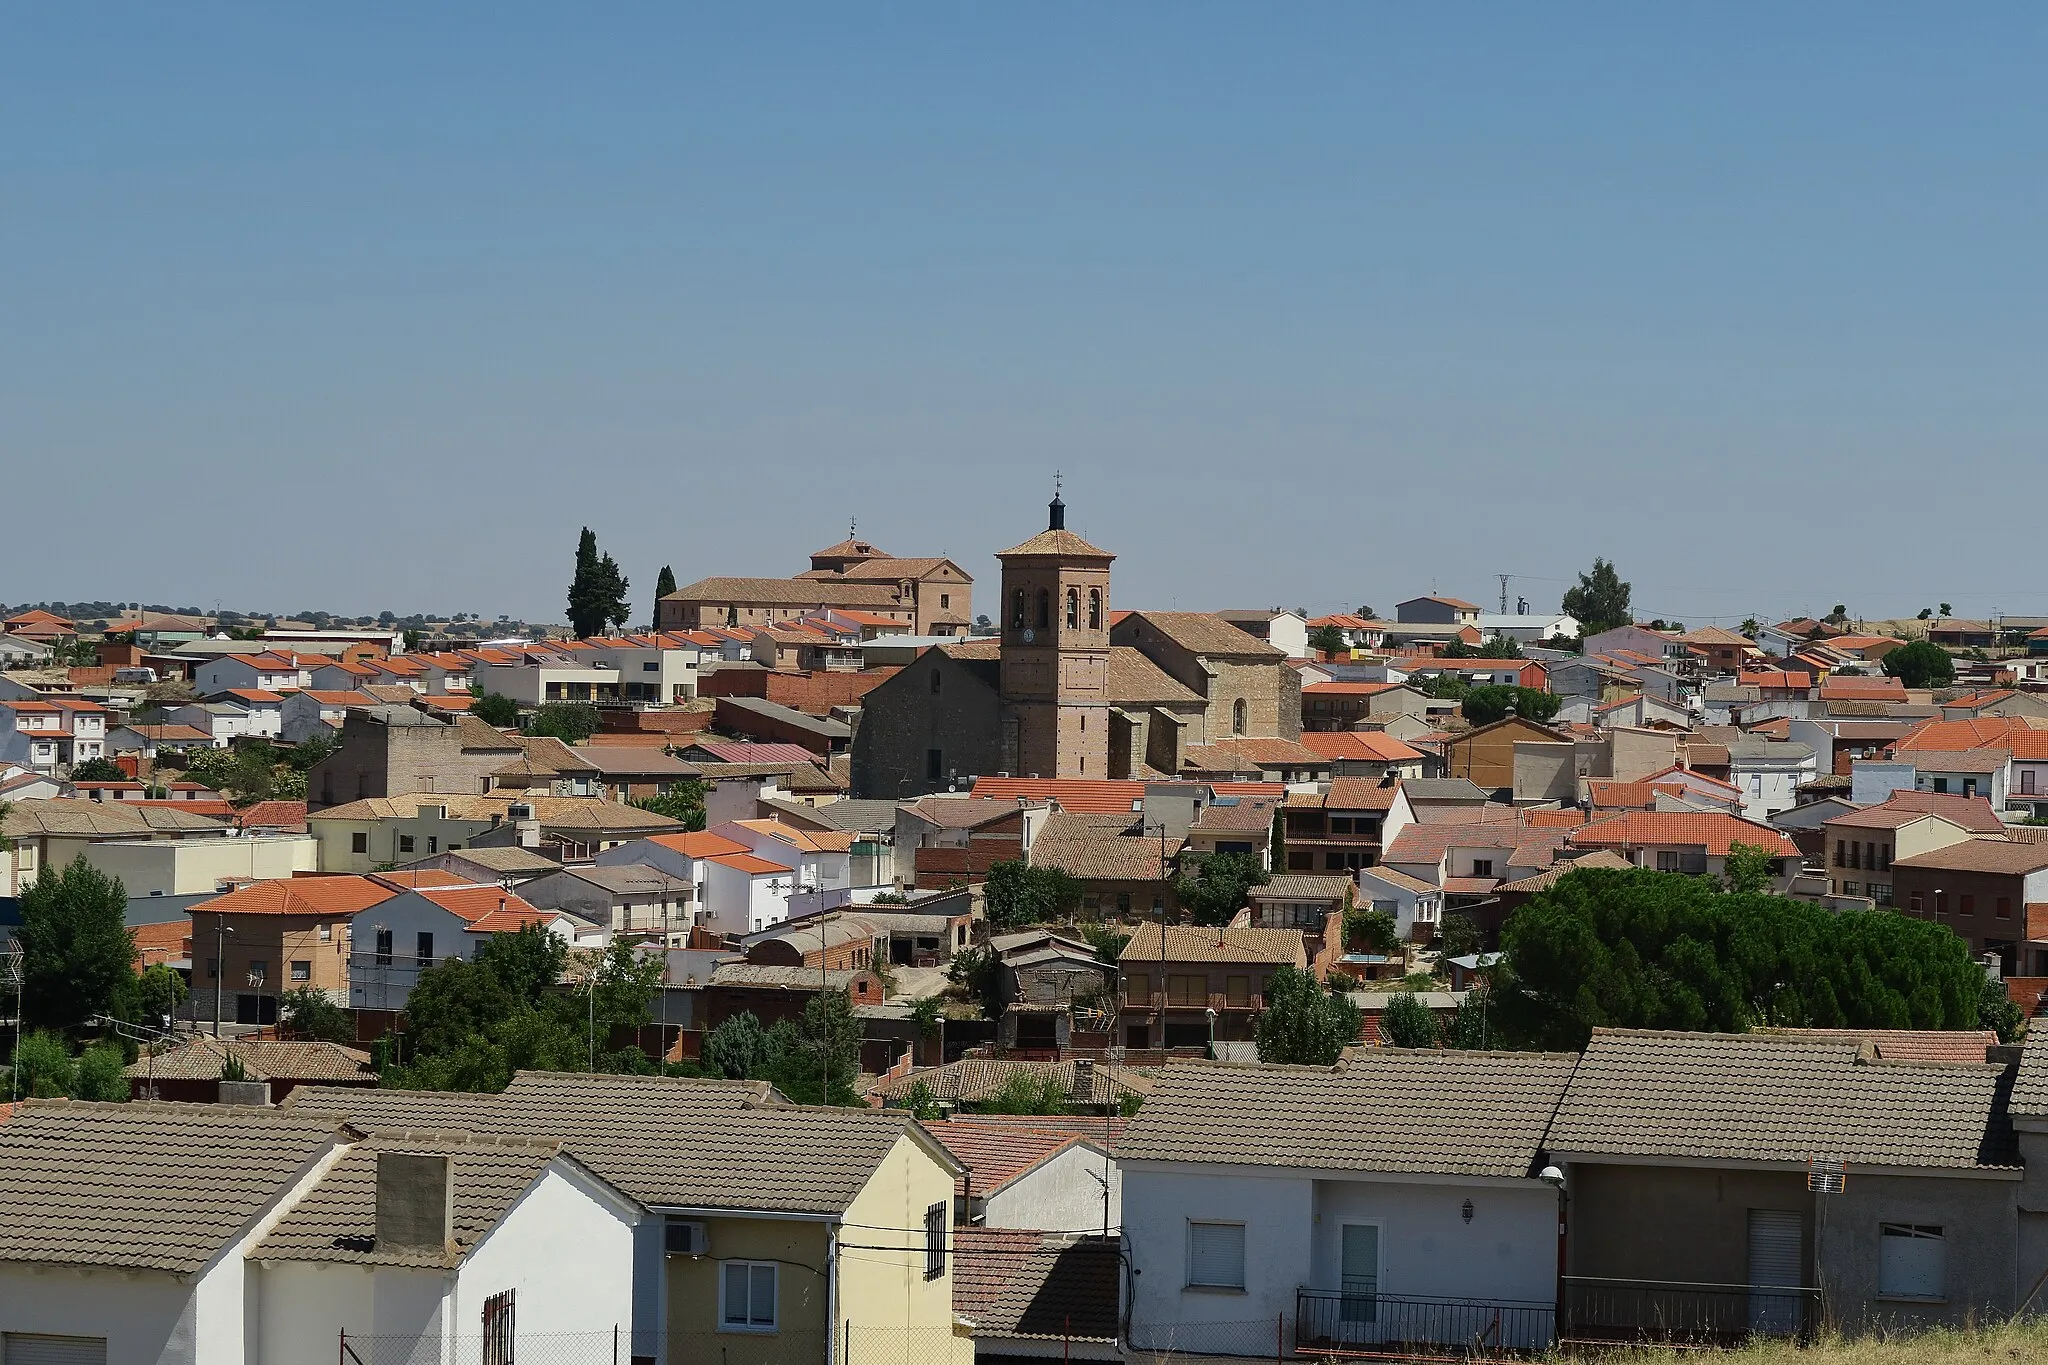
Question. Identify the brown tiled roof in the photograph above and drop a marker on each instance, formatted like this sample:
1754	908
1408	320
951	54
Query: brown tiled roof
2030	1083
202	1060
144	1186
1754	1097
962	812
1998	856
1250	756
1972	813
995	1156
1012	1283
666	1142
798	592
1062	542
1097	848
1363	746
1192	943
1236	815
1200	632
1302	886
1904	1044
1358	793
1957	761
975	1079
100	819
337	1219
289	816
1714	831
1135	679
769	976
340	895
1395	877
1439	1112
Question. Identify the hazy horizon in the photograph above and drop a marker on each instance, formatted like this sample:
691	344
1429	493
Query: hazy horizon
1314	307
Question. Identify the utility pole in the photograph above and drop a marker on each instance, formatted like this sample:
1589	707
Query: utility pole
220	964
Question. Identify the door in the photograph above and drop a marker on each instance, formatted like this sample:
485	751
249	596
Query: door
28	1348
1359	1275
1774	1271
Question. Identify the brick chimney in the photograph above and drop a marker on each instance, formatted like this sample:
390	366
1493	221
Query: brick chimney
415	1202
1083	1089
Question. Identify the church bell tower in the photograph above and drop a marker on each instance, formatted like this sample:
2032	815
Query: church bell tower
1055	653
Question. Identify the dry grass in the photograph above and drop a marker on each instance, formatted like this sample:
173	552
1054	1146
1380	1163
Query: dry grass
2007	1344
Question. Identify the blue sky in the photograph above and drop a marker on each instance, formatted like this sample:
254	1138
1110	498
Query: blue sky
1313	305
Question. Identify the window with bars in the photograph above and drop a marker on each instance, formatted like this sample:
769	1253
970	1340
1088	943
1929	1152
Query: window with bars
498	1328
935	1241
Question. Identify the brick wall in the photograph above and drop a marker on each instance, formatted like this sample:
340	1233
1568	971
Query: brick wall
672	721
814	693
938	868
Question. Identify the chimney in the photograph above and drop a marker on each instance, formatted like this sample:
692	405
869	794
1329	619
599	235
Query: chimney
415	1202
1083	1089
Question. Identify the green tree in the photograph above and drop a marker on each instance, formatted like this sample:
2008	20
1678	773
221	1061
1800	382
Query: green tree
493	708
738	1047
664	584
1106	941
1947	611
572	722
1837	617
1921	664
1304	1023
78	958
159	991
597	591
1501	647
1212	887
1749	868
923	1105
928	1014
1640	949
1447	687
978	973
1749	628
302	757
1327	640
1460	934
1485	705
98	770
1371	931
43	1068
1925	613
1600	601
683	801
1027	1092
1470	1027
100	1074
1020	894
1997	1011
816	1058
310	1014
1407	1022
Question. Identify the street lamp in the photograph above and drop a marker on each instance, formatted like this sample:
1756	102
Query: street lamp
221	932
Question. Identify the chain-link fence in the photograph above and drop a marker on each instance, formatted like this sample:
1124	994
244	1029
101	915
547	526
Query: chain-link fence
905	1346
1244	1339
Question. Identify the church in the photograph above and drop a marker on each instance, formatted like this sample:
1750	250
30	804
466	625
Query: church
1069	689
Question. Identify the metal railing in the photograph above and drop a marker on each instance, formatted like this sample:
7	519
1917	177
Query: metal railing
1342	1323
1618	1310
1155	1001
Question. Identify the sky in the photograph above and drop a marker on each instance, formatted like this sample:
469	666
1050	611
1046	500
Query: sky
370	307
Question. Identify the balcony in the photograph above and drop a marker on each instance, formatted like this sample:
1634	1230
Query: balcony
1138	1002
1684	1314
1337	1323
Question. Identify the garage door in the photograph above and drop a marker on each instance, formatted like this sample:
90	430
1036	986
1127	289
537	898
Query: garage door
26	1348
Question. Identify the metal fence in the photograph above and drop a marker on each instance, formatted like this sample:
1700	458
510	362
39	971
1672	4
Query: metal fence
1389	1323
1616	1310
1254	1338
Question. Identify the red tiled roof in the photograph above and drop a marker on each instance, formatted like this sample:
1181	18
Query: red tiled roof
1369	746
699	844
2010	733
329	896
284	815
1712	830
474	903
748	863
1348	689
1973	813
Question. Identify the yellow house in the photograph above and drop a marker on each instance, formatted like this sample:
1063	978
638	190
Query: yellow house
782	1233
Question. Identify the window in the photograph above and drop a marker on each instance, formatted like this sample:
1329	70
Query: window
1044	609
1916	902
1912	1261
1340	824
1850	888
1237	990
1017	610
1187	989
747	1296
359	842
212	968
1138	985
1940	784
1667	861
302	971
1095	623
1215	1255
383	947
1123	902
326	932
1969	786
2026	781
1073	609
1940	902
1841	853
405	843
1482	867
2005	907
498	1329
935	1241
1881	892
1966	905
934	764
1238	713
425	943
945	600
1884	857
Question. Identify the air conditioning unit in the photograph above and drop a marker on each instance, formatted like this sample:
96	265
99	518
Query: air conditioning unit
687	1237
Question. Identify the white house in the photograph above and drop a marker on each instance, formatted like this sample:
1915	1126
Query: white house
1528	628
446	1242
1770	773
312	713
43	735
1414	903
1052	1178
265	710
223	722
1394	1199
394	942
265	672
823	858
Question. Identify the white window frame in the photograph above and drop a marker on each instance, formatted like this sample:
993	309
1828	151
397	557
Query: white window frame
752	1328
1243	1257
